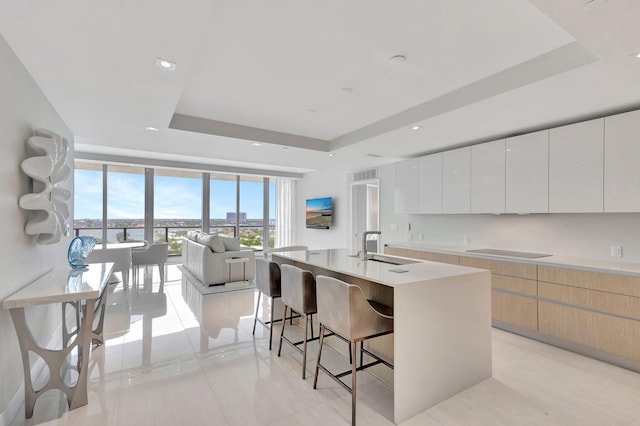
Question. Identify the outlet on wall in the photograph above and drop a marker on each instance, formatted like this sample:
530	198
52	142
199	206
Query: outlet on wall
420	236
394	226
465	240
616	251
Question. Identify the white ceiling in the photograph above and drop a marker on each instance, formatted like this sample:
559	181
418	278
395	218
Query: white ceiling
252	71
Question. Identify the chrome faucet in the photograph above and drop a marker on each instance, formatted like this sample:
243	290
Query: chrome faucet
365	256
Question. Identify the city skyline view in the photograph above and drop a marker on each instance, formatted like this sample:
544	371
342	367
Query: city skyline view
175	197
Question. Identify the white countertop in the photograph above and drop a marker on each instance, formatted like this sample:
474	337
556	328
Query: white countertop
62	285
339	260
622	268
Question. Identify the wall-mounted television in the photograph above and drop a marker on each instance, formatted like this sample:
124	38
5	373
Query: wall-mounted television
319	213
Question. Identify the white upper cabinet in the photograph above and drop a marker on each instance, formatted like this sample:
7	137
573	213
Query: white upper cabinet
586	167
527	173
430	186
576	155
407	187
456	181
621	163
488	177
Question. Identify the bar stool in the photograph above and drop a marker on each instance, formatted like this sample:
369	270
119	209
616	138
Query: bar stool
267	283
344	310
298	294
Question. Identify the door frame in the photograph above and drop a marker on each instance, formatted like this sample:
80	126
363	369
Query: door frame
355	240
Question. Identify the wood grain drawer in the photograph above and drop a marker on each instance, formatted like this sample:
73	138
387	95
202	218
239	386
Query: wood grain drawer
434	257
514	310
619	304
612	283
614	335
516	285
395	251
500	267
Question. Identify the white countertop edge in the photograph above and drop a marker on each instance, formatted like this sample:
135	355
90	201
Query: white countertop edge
421	271
592	265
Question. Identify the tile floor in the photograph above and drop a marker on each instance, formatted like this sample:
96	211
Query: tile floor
176	357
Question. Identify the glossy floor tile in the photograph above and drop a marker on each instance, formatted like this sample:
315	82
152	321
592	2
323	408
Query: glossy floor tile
173	356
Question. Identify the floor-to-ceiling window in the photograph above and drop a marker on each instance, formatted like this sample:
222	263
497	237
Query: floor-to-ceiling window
271	220
223	204
87	211
125	204
238	206
177	206
251	223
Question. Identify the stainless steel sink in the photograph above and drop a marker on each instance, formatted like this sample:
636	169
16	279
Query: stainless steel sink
387	259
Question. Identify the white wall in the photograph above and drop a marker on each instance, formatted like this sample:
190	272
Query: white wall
318	185
23	108
577	235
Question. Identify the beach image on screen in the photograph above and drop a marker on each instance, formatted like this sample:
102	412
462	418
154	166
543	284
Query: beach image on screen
319	213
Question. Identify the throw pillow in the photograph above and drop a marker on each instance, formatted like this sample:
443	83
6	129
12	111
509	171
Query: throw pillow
192	235
231	244
214	242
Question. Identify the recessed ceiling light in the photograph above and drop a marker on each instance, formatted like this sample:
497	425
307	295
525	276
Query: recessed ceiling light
638	55
331	155
165	64
256	144
374	155
347	90
311	110
151	129
398	59
416	128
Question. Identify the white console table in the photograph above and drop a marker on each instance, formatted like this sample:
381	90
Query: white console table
83	289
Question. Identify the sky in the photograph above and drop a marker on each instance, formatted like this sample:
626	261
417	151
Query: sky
175	197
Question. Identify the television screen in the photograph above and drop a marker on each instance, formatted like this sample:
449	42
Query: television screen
319	212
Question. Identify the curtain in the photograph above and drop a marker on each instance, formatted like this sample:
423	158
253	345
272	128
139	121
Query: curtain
285	212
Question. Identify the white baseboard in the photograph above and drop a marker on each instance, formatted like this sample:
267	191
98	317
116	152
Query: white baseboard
16	404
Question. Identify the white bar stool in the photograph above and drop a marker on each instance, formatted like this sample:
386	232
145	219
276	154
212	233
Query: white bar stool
298	294
344	310
267	283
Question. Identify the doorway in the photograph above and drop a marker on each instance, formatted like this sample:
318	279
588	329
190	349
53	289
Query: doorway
365	216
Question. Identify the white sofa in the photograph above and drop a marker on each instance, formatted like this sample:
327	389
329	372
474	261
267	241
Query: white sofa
210	267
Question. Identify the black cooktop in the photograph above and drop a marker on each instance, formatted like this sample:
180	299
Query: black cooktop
510	253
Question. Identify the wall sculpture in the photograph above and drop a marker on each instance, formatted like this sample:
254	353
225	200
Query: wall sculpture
48	200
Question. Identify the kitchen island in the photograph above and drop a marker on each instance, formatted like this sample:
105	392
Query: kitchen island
442	321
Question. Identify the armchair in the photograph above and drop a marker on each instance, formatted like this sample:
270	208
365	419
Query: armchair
121	256
155	254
